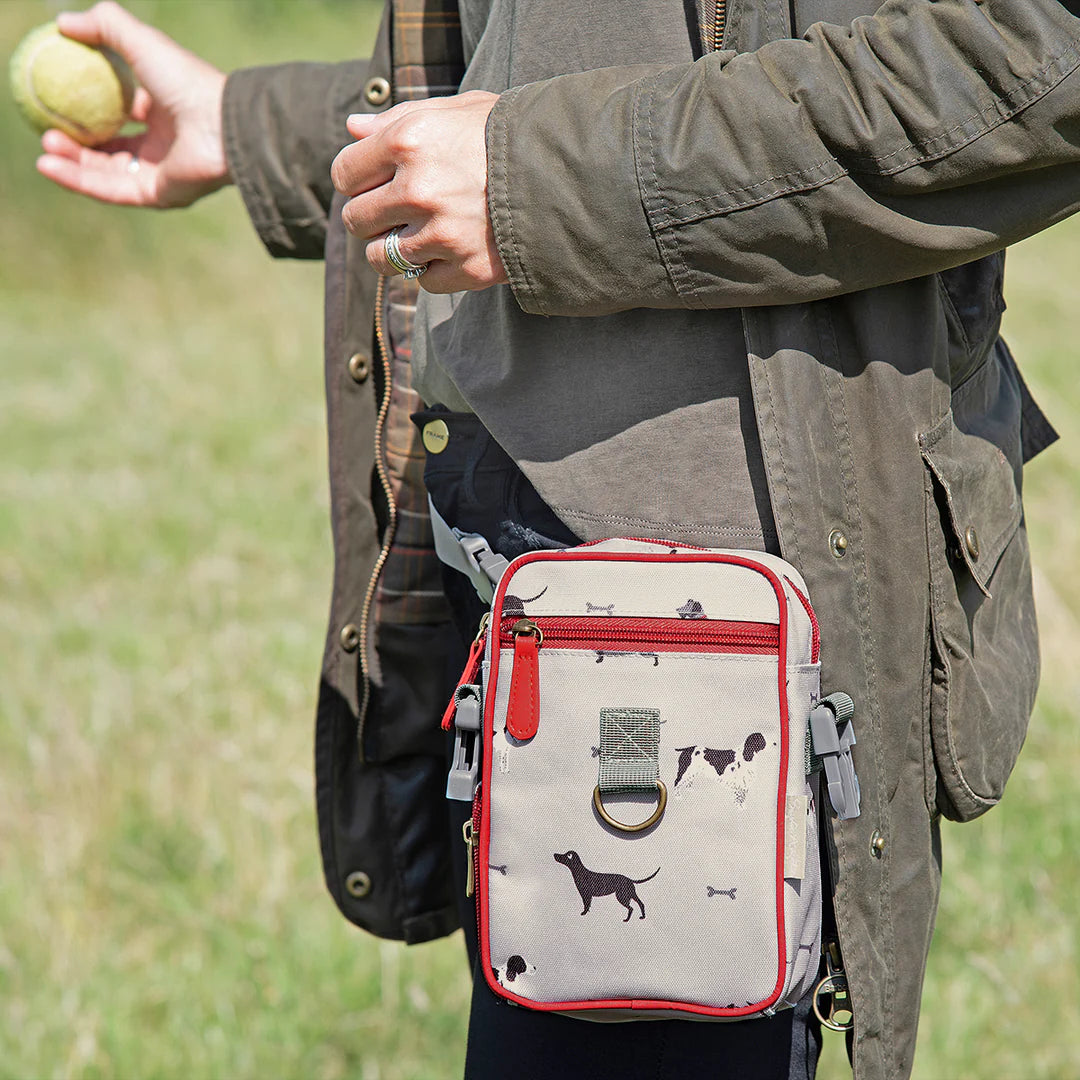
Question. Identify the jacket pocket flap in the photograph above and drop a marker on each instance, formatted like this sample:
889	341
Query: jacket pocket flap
980	490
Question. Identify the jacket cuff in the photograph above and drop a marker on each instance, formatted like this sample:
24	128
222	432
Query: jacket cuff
282	127
564	197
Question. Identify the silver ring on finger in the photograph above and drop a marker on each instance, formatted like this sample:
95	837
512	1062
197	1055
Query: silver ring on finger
397	260
133	164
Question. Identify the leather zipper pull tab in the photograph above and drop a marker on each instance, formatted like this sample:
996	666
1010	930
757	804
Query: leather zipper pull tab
472	666
523	709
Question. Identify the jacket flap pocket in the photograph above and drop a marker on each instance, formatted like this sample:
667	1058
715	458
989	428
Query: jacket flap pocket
984	508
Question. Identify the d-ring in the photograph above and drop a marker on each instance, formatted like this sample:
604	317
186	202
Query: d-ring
651	820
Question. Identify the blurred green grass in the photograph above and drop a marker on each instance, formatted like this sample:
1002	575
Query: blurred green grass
164	573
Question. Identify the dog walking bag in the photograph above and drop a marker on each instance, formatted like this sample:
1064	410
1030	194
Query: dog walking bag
633	730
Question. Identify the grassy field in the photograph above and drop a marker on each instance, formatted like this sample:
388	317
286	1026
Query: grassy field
164	573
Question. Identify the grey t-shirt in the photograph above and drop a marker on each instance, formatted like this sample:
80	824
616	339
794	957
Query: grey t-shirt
589	389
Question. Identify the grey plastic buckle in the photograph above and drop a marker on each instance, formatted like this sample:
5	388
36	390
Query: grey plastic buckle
834	736
468	553
461	782
480	555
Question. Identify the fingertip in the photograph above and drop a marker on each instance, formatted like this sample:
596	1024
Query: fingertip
49	166
59	144
74	24
357	123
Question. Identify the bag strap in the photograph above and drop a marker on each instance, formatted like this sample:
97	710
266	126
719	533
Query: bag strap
469	554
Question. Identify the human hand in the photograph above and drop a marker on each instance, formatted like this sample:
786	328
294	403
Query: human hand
422	165
180	157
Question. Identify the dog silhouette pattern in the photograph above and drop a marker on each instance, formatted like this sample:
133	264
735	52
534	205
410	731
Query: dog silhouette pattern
590	884
720	760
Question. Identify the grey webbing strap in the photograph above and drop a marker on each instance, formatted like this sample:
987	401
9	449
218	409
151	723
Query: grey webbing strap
629	750
469	554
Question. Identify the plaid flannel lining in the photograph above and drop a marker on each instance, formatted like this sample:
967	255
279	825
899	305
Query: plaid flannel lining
428	62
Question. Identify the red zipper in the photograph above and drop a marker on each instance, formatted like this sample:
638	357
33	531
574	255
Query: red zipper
615	635
663	634
474	846
472	669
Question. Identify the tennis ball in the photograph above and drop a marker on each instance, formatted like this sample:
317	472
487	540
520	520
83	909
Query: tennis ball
60	83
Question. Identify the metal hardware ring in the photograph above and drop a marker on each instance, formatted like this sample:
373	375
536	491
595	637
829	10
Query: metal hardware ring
653	818
397	260
830	985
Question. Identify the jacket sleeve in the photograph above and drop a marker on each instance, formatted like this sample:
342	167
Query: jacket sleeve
283	126
919	138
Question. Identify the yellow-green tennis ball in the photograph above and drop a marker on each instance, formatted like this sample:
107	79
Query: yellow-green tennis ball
60	83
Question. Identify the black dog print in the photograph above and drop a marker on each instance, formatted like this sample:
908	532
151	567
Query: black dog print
754	745
722	892
498	869
514	607
590	884
607	609
515	966
720	760
692	609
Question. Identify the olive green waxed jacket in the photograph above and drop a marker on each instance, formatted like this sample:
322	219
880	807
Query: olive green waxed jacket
850	184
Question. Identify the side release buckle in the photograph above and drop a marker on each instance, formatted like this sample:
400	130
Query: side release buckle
833	735
461	781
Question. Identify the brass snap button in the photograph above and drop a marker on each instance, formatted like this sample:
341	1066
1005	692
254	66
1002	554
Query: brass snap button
377	91
359	367
877	845
358	884
971	542
838	543
436	436
350	637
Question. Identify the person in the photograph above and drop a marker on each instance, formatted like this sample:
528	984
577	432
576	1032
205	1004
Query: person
730	275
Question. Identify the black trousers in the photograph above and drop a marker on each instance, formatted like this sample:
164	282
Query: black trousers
476	487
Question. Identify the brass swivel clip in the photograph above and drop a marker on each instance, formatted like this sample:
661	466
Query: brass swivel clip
832	1001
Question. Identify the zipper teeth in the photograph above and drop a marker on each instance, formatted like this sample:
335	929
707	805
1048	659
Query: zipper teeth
719	18
477	816
591	629
391	524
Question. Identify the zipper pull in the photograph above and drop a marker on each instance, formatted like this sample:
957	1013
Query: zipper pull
472	666
832	1000
470	856
523	710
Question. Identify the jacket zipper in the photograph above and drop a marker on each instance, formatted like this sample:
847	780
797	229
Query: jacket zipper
391	523
719	18
645	636
713	28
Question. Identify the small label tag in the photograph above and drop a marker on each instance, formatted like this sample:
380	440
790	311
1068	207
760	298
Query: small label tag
798	806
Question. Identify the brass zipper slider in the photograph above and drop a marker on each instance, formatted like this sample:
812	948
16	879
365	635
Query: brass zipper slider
470	855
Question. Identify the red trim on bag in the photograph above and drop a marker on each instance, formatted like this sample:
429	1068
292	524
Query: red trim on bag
485	822
472	666
815	633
